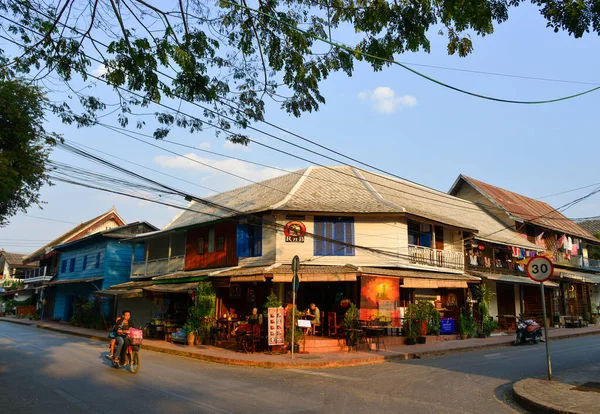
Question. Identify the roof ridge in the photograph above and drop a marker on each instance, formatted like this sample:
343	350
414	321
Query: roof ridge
374	192
294	189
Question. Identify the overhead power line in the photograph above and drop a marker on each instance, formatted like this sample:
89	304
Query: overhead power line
355	51
407	182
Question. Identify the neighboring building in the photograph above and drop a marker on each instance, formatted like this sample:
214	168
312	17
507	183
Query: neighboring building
593	227
12	271
376	240
90	264
563	241
43	263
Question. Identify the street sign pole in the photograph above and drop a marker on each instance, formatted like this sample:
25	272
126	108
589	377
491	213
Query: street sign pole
540	269
547	339
295	283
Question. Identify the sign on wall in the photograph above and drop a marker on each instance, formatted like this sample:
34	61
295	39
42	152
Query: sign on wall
294	232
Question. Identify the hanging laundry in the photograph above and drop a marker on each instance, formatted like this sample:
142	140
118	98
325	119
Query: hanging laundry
561	241
487	261
575	250
522	269
568	255
473	260
521	253
539	240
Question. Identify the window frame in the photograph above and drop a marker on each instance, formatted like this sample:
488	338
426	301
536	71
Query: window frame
340	229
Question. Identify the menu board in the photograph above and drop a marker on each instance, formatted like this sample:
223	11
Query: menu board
275	336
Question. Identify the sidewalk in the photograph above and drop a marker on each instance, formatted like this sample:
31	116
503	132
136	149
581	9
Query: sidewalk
312	360
561	395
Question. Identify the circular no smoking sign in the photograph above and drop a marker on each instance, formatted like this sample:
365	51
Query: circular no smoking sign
539	269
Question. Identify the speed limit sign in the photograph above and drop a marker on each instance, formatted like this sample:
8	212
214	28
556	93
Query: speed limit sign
539	269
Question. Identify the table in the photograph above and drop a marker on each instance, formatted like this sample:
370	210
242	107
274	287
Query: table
228	324
309	317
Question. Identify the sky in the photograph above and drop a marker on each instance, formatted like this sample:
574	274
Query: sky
392	119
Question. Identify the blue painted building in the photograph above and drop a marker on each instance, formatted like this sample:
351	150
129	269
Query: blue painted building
91	264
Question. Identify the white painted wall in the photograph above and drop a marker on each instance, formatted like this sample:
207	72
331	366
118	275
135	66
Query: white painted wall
494	304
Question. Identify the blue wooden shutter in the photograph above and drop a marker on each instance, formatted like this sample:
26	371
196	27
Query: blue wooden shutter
319	244
72	265
257	240
97	260
242	241
338	235
349	237
329	236
63	266
84	262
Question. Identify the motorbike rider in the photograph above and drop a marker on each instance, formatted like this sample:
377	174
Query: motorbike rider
122	328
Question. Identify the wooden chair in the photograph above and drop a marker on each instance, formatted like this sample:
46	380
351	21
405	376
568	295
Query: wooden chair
332	325
255	337
242	336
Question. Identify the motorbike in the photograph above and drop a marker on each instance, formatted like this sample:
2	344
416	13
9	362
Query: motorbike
130	354
528	331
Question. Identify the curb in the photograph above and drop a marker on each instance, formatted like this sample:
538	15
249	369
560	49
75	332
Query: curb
522	397
19	322
376	359
80	334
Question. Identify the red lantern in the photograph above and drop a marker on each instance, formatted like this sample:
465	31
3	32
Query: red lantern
481	247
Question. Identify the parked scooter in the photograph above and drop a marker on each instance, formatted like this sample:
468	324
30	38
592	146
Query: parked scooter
528	331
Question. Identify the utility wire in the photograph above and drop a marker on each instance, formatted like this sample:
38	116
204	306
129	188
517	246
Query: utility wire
355	52
421	187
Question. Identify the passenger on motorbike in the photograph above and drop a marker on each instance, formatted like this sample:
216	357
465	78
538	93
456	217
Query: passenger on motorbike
122	330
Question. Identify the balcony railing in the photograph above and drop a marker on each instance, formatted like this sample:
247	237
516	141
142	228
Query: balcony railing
499	266
578	261
432	257
158	266
40	273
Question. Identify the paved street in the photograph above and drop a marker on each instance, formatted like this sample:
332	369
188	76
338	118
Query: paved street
43	371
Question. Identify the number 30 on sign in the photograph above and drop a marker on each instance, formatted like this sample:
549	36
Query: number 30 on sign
539	269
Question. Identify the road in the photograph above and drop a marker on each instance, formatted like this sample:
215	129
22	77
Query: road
42	371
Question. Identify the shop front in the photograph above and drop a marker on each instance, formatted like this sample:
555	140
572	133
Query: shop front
574	298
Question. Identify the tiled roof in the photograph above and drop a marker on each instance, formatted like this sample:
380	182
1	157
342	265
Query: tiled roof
15	259
529	210
73	234
345	189
591	226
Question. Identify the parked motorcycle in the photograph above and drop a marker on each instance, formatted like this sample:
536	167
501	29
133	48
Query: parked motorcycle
528	331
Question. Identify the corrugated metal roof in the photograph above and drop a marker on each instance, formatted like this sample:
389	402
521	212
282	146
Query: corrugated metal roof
75	232
523	280
529	210
346	189
591	226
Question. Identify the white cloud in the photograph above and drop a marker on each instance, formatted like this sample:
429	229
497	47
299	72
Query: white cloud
100	70
204	145
219	180
385	100
236	147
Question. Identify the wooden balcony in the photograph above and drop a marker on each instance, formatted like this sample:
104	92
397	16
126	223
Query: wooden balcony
157	267
578	261
439	258
40	274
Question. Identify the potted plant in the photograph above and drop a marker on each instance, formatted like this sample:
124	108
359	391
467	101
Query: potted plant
351	324
466	324
298	333
190	334
412	324
489	326
204	312
485	295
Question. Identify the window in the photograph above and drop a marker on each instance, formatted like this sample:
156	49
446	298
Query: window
97	260
249	240
211	240
200	245
439	237
328	229
419	234
84	262
221	243
72	265
63	266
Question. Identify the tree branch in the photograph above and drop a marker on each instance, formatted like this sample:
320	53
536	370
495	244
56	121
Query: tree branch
262	58
118	16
